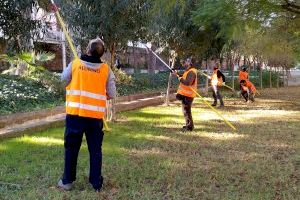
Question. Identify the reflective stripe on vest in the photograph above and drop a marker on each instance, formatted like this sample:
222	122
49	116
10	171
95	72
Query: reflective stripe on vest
85	106
86	94
186	90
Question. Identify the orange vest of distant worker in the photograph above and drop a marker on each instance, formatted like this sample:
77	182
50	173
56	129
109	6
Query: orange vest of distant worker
187	90
215	81
250	86
243	75
86	94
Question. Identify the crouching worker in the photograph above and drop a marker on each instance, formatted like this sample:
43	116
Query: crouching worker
89	84
248	90
185	94
217	81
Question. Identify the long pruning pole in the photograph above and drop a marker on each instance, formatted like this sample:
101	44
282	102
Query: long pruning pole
215	110
71	43
63	26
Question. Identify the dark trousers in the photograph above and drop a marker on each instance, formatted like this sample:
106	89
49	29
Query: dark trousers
187	110
248	96
75	128
217	95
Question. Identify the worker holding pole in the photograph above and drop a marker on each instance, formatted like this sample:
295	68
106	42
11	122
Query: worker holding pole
185	94
90	83
217	81
193	88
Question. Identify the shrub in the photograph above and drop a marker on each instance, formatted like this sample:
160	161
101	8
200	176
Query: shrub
19	94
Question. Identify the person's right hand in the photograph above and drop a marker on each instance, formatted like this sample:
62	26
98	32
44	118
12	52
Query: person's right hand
175	73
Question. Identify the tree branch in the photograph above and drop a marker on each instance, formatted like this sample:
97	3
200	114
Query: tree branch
291	7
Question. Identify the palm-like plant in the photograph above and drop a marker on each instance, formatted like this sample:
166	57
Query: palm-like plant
26	63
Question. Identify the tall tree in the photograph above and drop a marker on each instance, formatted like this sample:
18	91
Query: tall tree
17	25
116	22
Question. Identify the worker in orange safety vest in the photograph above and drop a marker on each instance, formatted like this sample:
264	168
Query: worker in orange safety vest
217	81
185	94
89	84
243	74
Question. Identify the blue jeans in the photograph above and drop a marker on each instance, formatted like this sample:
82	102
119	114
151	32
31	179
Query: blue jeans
75	128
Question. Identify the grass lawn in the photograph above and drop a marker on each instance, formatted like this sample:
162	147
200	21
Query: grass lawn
146	156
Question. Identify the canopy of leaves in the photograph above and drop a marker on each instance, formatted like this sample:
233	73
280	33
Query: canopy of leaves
115	21
16	24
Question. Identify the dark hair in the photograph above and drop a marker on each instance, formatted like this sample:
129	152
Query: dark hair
244	68
191	61
97	49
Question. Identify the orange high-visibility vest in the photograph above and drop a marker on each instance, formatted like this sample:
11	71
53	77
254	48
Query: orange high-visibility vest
215	81
243	75
86	94
250	86
186	90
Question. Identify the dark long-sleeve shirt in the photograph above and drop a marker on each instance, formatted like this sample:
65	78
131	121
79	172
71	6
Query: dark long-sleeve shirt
220	74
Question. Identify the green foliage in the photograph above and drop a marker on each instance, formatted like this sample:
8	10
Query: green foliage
18	94
143	83
28	61
114	21
121	76
16	25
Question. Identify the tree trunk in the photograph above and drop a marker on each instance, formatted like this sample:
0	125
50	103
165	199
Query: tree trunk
112	50
270	76
134	60
152	62
112	109
249	66
239	61
260	74
206	80
232	71
169	83
278	74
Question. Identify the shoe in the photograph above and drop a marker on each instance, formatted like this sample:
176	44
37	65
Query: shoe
98	190
221	106
63	186
214	104
185	128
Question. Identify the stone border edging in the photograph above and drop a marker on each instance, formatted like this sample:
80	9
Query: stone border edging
18	118
53	120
